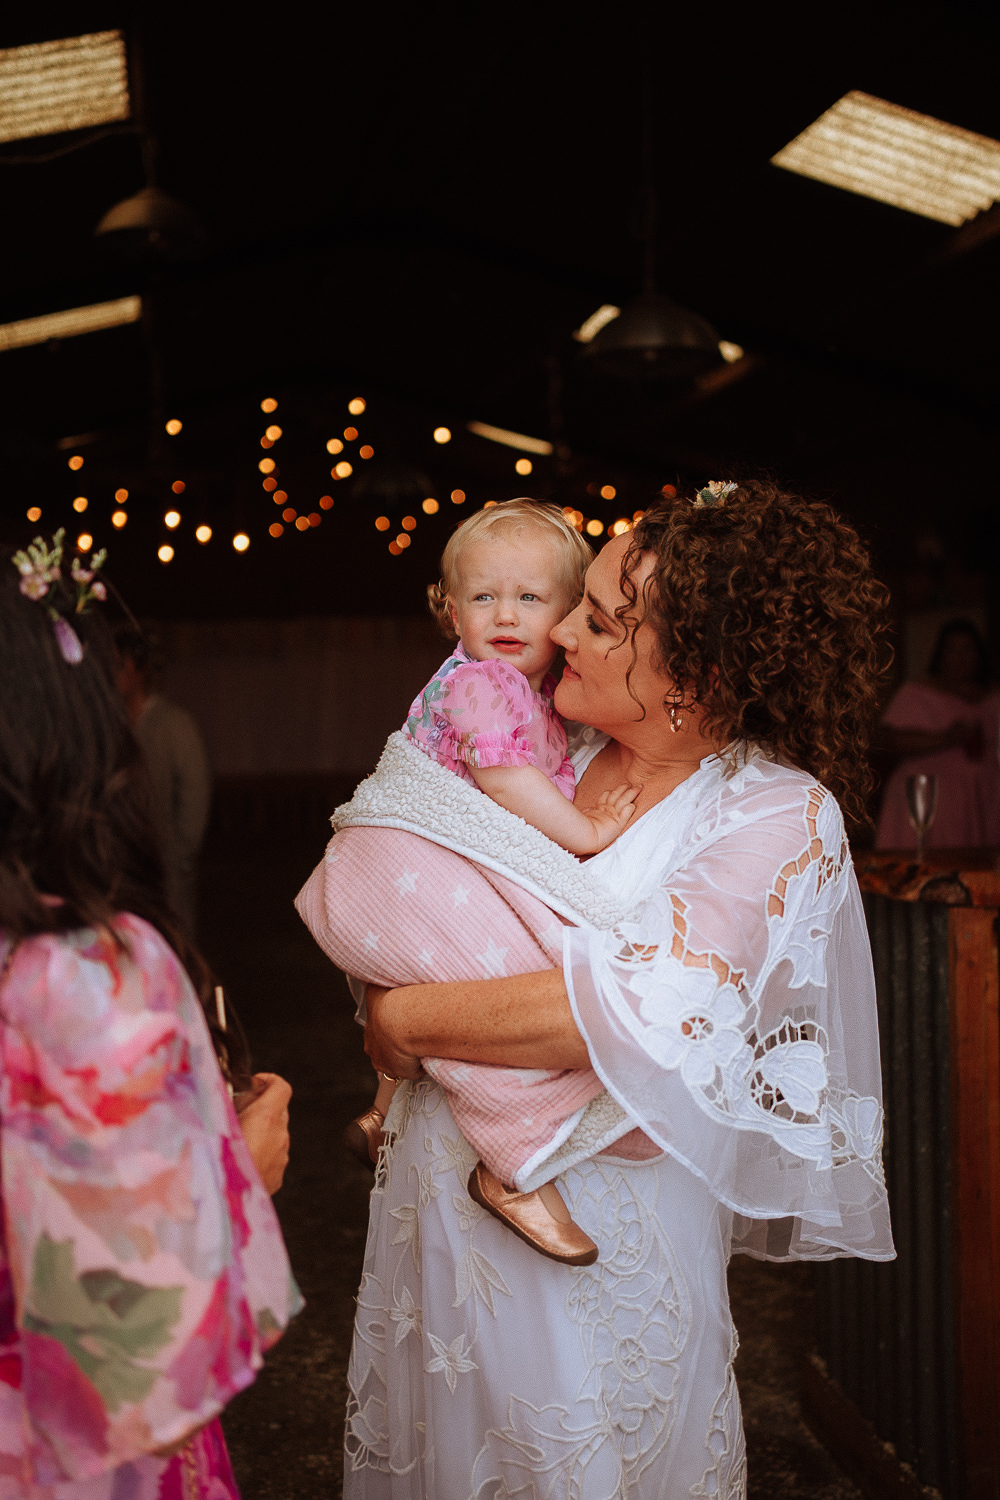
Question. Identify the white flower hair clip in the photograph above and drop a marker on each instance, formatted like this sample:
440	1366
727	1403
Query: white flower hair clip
40	567
714	493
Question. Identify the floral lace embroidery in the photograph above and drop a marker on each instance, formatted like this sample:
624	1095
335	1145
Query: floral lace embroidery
726	1475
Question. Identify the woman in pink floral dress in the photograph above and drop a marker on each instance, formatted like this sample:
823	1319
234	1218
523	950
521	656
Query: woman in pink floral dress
142	1271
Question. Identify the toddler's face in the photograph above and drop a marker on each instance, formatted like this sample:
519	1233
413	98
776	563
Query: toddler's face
509	593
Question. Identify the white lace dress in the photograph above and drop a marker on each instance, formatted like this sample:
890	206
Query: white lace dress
734	1020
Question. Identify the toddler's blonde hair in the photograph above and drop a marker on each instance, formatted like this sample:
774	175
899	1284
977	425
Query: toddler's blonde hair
507	519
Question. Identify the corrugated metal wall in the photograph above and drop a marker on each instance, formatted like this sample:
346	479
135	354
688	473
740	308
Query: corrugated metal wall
887	1331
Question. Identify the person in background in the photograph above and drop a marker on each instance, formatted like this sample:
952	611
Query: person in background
946	724
179	775
142	1269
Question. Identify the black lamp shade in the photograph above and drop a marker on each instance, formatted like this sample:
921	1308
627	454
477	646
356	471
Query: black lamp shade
654	337
152	226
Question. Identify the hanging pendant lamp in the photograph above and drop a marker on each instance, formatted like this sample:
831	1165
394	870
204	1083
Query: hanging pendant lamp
653	337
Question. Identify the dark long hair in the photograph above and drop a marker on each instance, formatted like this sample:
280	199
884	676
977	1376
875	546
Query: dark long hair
74	805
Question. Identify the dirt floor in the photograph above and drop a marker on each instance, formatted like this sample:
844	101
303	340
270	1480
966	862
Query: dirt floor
285	1432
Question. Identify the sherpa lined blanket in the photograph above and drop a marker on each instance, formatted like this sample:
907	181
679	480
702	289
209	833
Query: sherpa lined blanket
426	879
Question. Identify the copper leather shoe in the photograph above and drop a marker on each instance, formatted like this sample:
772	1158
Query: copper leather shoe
364	1137
527	1215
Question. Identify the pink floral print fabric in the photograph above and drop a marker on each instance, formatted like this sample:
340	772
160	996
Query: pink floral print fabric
142	1270
484	713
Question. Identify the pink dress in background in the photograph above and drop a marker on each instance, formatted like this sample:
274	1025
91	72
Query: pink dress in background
142	1270
968	805
484	713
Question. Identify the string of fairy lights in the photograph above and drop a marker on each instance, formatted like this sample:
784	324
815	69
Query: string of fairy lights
341	448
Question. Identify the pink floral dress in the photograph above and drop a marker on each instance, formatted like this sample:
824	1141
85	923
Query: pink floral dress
484	713
142	1270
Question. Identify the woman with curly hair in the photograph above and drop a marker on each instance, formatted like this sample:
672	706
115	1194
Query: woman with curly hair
724	661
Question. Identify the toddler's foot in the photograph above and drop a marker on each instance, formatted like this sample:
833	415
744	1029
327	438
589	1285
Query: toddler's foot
364	1137
541	1219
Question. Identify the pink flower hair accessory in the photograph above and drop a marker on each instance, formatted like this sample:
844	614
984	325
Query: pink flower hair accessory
40	567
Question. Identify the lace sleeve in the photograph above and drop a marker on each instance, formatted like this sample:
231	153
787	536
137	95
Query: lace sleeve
735	1021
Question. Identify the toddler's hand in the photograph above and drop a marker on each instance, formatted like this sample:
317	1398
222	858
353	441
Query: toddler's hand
610	816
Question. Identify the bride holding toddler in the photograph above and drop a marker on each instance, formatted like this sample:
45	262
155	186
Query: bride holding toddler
571	1160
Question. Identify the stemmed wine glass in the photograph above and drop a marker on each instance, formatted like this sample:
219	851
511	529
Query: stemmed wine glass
921	805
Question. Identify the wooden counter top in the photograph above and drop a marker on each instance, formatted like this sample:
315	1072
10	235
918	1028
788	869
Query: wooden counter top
951	877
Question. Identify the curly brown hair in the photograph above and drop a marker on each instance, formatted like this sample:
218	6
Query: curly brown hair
767	612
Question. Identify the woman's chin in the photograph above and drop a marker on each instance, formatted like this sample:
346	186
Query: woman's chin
568	699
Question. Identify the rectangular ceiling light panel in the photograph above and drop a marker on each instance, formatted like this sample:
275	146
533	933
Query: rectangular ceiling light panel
510	439
897	156
65	85
63	325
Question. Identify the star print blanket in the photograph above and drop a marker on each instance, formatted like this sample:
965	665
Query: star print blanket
426	879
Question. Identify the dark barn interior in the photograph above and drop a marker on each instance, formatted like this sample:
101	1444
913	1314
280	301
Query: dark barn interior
390	220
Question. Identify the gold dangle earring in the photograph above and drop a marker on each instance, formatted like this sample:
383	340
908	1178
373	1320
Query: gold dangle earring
674	714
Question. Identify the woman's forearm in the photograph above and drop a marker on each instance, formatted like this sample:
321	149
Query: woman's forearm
521	1022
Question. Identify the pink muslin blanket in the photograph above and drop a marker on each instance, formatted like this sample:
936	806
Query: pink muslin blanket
392	908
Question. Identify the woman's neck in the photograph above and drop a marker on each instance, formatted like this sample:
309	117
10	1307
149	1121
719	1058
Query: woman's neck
658	760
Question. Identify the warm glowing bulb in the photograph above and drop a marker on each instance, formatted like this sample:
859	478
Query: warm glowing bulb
314	518
430	507
165	553
637	515
279	497
121	496
267	466
357	406
178	486
350	433
620	526
395	548
442	434
241	541
302	524
608	492
276	528
270	484
203	533
367	451
523	466
289	514
174	427
76	462
265	442
80	504
326	502
335	446
490	504
269	404
343	469
172	519
84	541
409	523
594	528
118	518
35	513
382	523
402	540
458	497
273	433
669	490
